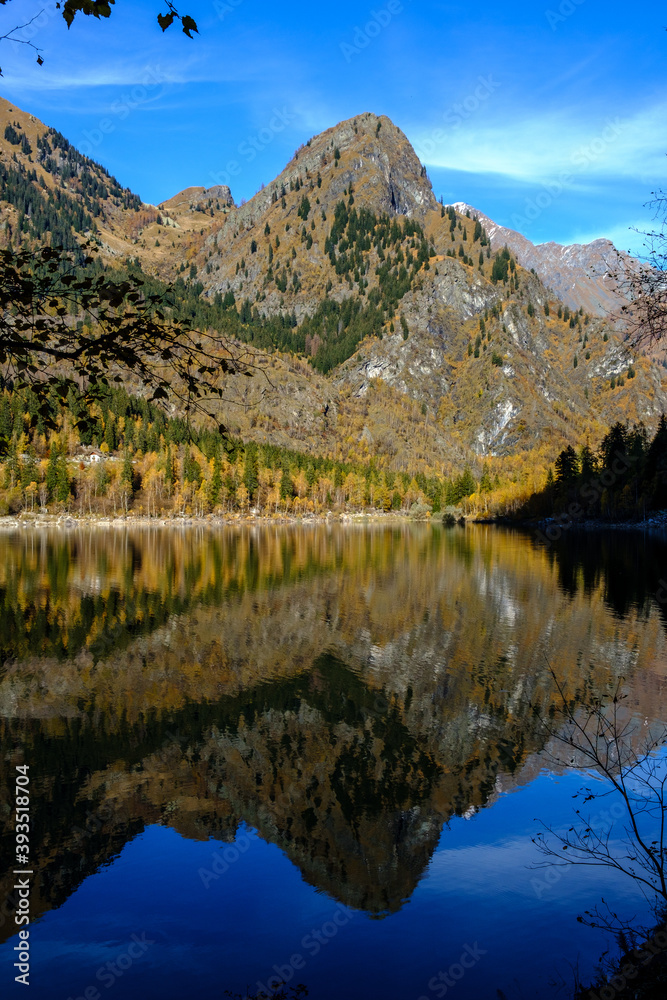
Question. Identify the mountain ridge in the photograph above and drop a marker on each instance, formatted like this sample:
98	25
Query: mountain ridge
580	274
431	340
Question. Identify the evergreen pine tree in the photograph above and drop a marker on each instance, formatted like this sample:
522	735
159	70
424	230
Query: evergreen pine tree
485	483
127	472
62	488
215	485
286	484
250	479
51	477
567	466
110	436
169	471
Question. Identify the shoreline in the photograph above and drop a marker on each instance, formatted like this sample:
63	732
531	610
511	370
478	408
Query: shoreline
545	527
23	521
557	526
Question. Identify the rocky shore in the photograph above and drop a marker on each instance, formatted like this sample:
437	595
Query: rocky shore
64	521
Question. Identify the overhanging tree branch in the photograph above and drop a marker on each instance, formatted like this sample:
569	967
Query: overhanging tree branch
646	286
97	9
65	328
10	36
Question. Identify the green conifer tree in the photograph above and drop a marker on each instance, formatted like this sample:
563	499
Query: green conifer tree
51	477
62	488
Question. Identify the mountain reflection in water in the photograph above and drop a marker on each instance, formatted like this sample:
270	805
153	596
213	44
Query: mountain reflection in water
345	692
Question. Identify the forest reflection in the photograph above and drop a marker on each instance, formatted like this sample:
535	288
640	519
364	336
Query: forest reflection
344	691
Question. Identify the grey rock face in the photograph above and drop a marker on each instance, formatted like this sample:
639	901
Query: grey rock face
373	151
219	192
589	275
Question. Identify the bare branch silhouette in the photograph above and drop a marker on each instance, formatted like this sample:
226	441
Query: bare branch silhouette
10	36
605	741
646	286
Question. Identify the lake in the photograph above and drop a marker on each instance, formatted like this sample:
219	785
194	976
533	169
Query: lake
318	753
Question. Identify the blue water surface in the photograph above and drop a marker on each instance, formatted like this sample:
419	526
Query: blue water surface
172	917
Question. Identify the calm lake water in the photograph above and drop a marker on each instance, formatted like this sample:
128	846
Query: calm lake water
315	753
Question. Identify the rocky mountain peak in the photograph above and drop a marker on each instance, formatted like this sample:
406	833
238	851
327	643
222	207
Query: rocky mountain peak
198	197
368	152
588	275
394	328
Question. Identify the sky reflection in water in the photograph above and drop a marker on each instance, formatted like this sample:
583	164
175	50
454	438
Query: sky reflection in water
256	749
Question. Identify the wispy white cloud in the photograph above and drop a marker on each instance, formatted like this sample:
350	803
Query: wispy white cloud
123	73
541	147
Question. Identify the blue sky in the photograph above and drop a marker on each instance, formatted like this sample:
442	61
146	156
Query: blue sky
550	117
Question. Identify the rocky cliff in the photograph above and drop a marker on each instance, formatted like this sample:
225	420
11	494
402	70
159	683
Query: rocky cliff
395	327
589	275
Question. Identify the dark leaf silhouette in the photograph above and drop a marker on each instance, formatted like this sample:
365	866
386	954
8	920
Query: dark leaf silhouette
165	20
188	25
98	9
66	328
